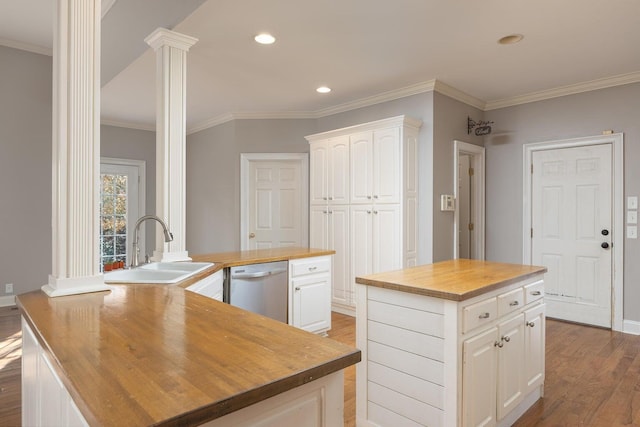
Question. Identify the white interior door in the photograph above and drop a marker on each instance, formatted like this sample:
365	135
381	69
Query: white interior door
276	193
572	230
468	224
463	200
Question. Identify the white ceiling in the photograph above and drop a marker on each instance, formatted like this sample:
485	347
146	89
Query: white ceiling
362	49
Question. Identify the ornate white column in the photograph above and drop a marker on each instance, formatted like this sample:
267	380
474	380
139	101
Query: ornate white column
171	79
76	149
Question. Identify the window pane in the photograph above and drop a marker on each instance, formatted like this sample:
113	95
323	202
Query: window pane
121	245
121	205
113	217
107	204
107	225
121	184
121	224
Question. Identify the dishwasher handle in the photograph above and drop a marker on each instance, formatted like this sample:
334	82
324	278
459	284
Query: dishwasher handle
258	274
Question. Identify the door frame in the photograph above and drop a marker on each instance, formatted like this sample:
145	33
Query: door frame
616	141
245	162
477	154
141	165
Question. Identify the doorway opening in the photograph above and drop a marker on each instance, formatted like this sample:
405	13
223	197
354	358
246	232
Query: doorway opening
468	191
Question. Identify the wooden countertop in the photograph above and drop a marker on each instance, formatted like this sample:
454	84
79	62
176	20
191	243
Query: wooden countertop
235	258
160	355
456	280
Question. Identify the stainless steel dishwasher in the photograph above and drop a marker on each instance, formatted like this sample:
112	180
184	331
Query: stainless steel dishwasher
260	288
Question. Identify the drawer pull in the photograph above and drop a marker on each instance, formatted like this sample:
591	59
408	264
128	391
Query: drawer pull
297	288
506	338
514	303
484	316
313	268
536	293
531	324
498	344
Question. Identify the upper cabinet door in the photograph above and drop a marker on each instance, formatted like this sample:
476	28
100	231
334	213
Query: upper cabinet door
361	167
338	172
386	166
319	157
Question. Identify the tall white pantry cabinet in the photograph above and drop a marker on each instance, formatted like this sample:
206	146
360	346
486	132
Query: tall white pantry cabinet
364	200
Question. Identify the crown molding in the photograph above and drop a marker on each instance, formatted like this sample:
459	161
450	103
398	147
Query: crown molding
206	124
588	86
106	6
27	46
162	37
391	95
129	125
459	95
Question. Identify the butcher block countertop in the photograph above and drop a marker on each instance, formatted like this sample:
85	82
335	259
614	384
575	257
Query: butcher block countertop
456	280
236	258
160	355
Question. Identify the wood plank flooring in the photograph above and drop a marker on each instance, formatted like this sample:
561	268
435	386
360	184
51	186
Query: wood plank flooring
592	377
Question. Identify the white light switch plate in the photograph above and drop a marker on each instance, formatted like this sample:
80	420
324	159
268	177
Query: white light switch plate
632	217
632	202
632	232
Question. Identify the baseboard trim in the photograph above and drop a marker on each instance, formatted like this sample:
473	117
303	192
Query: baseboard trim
631	327
7	301
349	311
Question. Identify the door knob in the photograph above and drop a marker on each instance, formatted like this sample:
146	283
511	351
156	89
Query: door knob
605	232
604	245
252	235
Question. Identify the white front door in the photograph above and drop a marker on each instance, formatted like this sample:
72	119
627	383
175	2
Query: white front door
572	231
275	193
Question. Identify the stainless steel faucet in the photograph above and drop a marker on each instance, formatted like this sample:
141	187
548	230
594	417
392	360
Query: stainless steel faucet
135	248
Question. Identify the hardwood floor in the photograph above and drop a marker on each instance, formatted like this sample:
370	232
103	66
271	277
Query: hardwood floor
10	366
592	377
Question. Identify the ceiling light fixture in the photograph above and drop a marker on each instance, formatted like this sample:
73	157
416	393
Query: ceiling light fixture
511	39
265	38
323	89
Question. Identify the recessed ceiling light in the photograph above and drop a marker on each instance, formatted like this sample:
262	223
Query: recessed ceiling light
511	39
323	89
265	38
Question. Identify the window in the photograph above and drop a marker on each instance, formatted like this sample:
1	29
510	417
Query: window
121	202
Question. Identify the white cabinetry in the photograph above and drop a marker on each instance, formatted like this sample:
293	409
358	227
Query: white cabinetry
45	400
364	190
211	286
310	294
428	361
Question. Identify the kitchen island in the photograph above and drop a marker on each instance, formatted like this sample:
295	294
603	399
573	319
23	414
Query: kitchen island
145	354
455	343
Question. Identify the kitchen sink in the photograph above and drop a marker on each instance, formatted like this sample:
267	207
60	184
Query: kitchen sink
157	272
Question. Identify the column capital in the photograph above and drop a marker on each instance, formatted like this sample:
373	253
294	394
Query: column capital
162	37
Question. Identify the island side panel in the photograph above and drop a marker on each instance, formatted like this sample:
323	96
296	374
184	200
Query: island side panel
404	373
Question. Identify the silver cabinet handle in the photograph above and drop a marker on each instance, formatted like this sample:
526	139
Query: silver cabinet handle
514	303
484	316
324	198
536	293
252	235
325	211
297	288
375	212
368	212
506	338
531	324
313	268
498	344
330	198
375	197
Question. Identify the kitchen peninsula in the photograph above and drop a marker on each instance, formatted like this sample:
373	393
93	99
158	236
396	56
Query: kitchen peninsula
455	343
146	354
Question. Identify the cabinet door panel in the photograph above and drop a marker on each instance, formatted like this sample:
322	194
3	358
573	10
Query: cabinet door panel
510	365
361	240
386	166
361	160
387	232
338	170
343	286
312	305
479	380
534	347
318	227
318	158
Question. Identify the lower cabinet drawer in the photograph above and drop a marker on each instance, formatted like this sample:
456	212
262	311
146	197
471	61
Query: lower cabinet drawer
480	313
302	267
534	291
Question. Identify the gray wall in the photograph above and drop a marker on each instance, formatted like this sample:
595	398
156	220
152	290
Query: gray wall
450	123
132	144
25	169
579	115
213	175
